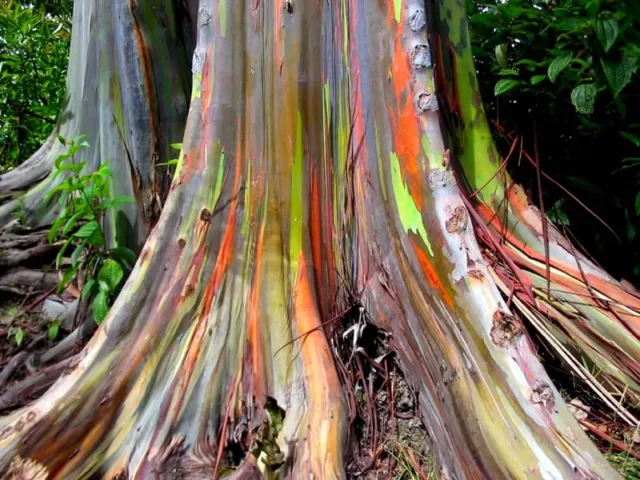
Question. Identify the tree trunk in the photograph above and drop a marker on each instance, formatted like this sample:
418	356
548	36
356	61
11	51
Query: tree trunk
583	313
314	176
127	91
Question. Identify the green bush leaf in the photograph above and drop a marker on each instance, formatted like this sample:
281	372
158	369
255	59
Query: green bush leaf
100	306
607	31
638	204
19	336
501	55
75	256
54	327
71	222
558	65
618	72
504	85
66	279
536	79
125	255
509	71
87	230
86	290
583	98
631	137
110	274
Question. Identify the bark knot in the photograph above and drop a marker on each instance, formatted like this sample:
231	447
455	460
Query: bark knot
542	393
458	220
506	328
426	102
420	57
205	215
288	6
417	19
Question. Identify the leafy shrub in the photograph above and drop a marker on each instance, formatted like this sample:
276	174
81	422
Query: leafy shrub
566	72
34	51
84	199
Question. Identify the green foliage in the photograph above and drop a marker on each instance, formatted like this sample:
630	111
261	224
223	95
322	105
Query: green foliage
34	50
568	71
573	42
84	199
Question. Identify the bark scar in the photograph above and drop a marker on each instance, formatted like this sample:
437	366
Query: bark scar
506	329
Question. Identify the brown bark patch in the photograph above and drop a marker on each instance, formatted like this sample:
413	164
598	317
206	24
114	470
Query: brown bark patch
458	220
542	393
506	328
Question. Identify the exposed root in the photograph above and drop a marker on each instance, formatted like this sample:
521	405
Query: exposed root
21	281
21	392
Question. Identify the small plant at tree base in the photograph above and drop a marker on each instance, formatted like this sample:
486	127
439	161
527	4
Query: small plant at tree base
84	199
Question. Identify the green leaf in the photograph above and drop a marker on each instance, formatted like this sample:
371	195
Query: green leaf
176	146
631	137
100	306
126	255
66	278
60	254
638	204
110	274
557	213
75	256
536	79
173	161
54	327
509	71
592	8
583	98
87	230
71	222
86	290
558	65
501	55
504	85
53	231
19	336
114	202
607	31
618	72
528	62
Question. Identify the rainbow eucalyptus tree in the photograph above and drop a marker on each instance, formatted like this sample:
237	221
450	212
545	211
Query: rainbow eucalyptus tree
330	147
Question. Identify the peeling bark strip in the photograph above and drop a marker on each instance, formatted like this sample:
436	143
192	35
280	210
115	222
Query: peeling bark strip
304	171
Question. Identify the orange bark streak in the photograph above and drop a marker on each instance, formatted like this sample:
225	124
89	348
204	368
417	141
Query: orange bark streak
429	271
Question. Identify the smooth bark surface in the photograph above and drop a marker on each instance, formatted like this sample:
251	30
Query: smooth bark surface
313	166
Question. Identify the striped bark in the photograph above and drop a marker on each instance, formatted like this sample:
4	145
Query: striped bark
314	165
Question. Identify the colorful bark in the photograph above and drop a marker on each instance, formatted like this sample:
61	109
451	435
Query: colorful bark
313	166
581	311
